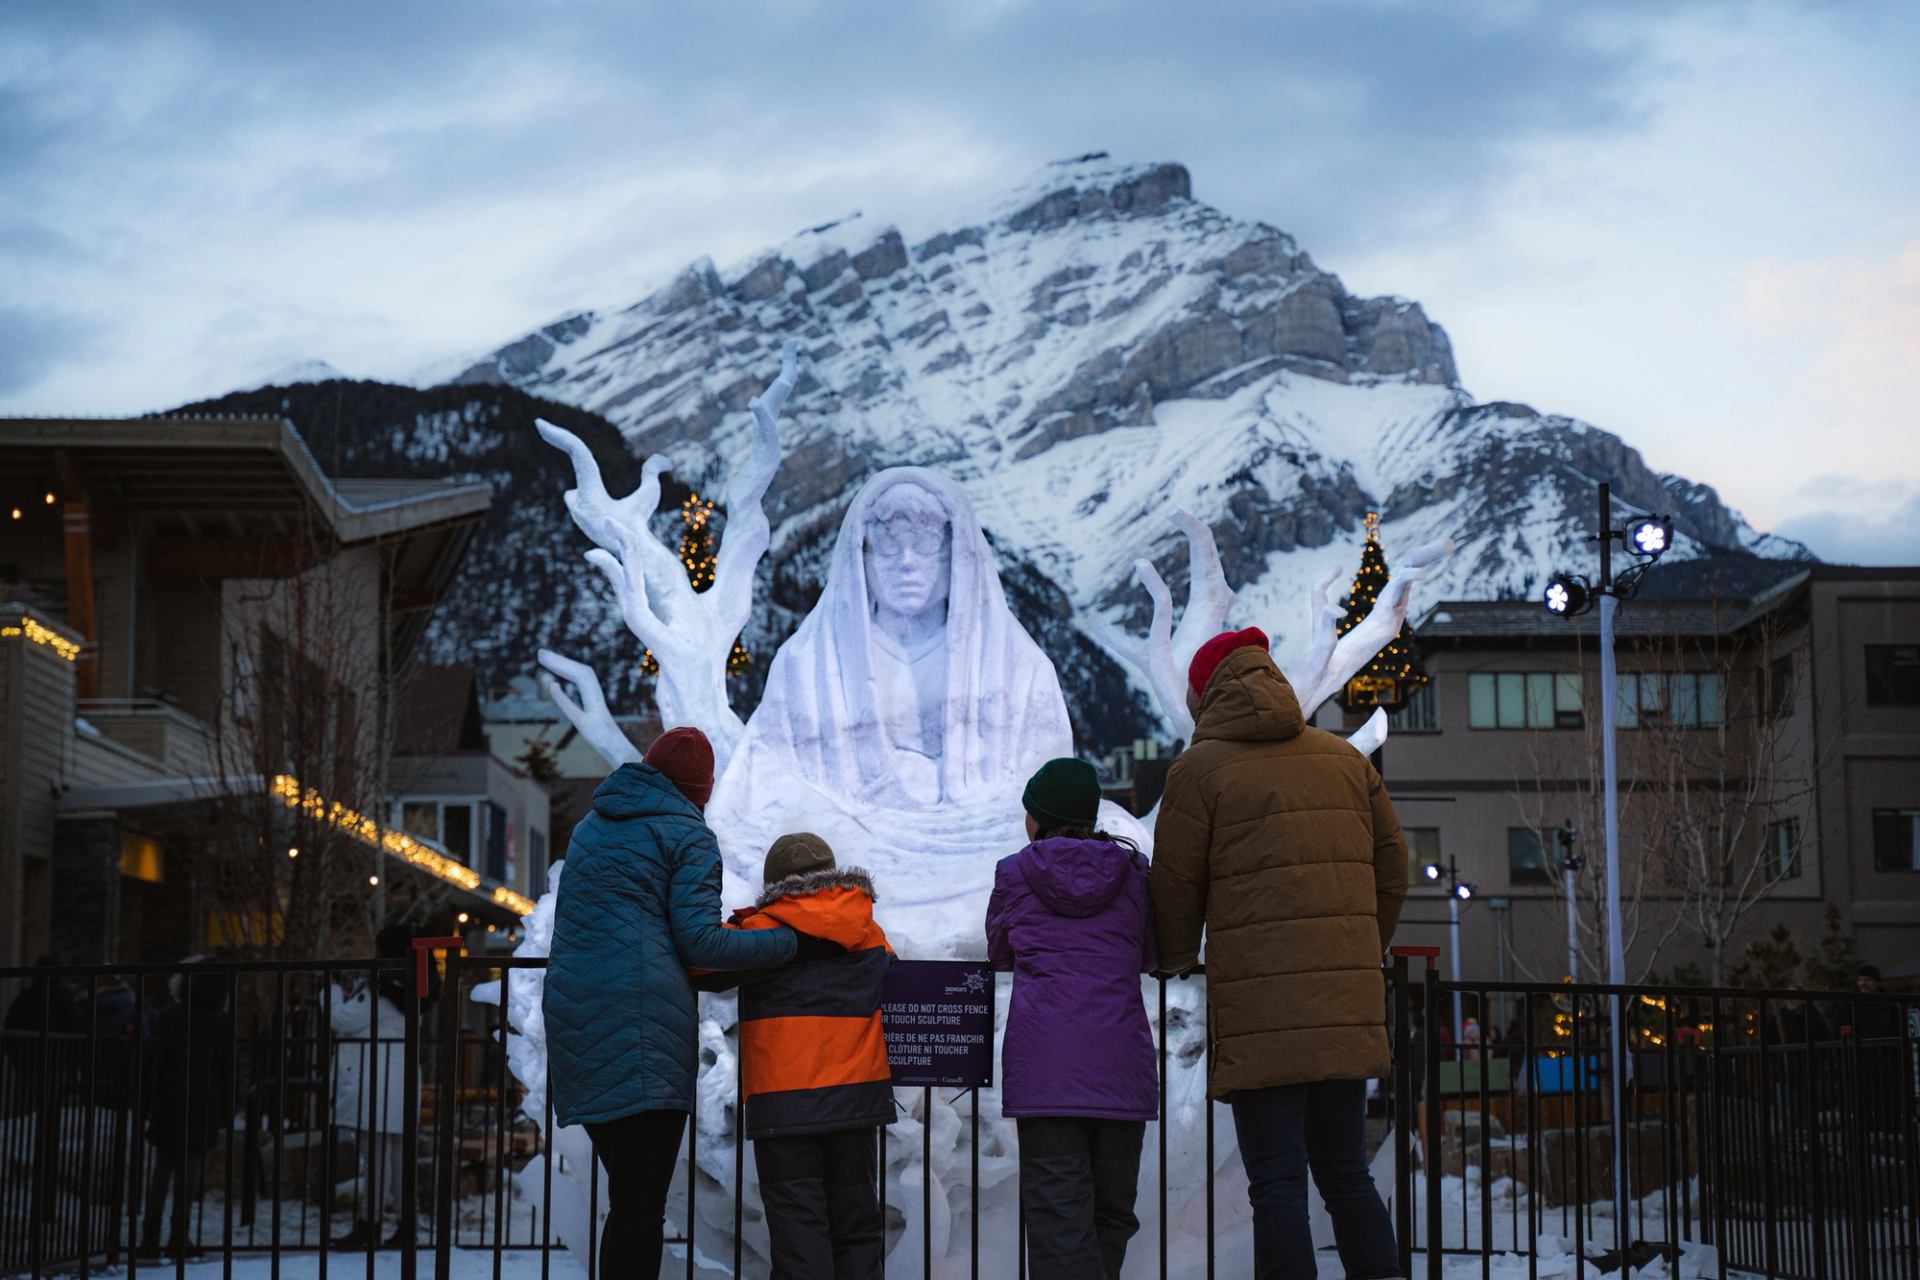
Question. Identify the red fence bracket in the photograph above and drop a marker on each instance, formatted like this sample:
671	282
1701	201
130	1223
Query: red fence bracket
423	949
1431	953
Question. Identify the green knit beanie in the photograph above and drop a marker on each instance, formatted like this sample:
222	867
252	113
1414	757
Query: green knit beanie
1064	793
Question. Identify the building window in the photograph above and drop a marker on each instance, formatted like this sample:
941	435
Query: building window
1524	700
142	858
448	824
497	842
537	860
1783	850
1420	715
1527	857
421	820
1780	687
1423	850
1685	699
1896	839
456	831
1893	675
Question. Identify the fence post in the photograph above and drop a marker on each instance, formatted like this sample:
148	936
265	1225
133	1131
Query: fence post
445	1106
410	1121
1436	1127
1403	1090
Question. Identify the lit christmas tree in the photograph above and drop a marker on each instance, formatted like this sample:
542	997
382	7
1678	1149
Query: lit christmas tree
698	556
1395	674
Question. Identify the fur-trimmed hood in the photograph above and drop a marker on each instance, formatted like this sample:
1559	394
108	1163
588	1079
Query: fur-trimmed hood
835	904
815	881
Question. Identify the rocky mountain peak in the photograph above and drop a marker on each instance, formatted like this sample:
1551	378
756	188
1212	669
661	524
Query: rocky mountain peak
1086	351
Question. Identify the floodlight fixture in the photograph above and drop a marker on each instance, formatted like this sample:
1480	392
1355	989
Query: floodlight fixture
1650	537
1432	870
1463	891
1566	595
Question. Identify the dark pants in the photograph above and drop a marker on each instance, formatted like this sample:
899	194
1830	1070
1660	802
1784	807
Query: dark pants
177	1168
823	1206
1078	1177
639	1152
1286	1131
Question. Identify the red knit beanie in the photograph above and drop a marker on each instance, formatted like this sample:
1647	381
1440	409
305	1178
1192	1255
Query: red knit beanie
686	757
1215	651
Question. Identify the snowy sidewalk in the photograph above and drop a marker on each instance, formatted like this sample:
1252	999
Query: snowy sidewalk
524	1264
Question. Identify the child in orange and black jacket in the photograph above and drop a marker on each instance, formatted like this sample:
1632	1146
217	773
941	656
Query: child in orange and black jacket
813	1061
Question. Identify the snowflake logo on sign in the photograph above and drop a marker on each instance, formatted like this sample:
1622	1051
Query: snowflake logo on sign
976	983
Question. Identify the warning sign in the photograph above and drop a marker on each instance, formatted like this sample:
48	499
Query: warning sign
938	1016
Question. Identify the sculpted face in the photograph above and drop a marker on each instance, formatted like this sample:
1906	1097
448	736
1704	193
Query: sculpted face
908	551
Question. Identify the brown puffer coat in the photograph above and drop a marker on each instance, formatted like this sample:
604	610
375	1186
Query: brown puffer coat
1280	840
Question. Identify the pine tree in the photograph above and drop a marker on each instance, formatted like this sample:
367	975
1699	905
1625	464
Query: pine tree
1394	674
697	554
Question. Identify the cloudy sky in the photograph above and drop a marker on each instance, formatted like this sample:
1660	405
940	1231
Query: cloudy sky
1696	225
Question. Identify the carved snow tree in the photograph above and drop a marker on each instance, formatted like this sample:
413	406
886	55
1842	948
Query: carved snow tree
1319	671
692	633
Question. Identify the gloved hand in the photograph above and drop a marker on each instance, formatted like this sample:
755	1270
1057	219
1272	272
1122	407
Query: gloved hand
812	948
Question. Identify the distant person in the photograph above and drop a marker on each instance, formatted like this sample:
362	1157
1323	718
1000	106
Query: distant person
1071	918
1278	841
638	907
188	1098
47	1064
1873	1019
370	1086
816	1084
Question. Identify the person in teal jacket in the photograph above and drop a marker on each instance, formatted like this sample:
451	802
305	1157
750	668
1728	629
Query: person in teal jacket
639	905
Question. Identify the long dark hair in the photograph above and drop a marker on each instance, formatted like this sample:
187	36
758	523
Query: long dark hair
1046	831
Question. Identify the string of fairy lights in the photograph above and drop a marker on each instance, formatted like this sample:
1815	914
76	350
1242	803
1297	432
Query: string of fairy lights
396	843
699	558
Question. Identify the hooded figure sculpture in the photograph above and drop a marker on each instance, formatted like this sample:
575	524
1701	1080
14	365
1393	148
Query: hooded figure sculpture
904	715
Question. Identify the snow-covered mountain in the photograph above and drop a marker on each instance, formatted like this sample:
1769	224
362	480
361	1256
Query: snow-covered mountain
1096	348
1091	350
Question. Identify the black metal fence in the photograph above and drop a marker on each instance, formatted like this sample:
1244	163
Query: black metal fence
1764	1132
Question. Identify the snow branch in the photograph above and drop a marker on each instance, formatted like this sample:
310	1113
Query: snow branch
690	633
1161	660
1328	664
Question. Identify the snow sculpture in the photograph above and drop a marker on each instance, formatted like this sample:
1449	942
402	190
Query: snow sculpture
903	718
691	633
1316	674
900	721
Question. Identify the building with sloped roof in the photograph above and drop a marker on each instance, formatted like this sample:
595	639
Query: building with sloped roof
200	630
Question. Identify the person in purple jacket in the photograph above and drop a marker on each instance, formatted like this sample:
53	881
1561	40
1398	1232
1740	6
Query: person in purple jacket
1070	916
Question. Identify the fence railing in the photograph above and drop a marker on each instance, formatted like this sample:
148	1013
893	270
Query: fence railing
1765	1132
282	1110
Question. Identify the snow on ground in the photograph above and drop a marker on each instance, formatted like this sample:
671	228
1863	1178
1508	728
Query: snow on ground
524	1264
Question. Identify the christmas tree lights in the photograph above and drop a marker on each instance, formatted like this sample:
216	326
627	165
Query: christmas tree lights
698	557
1395	674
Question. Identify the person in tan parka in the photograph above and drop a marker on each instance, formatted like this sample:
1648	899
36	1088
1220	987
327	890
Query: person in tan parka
1278	840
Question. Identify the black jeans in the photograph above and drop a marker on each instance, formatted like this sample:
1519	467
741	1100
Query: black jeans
823	1206
639	1152
1286	1131
177	1168
1078	1178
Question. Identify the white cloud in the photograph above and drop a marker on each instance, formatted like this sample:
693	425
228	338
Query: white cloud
1696	226
1858	523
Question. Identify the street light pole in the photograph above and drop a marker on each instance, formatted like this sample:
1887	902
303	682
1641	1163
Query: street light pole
1573	927
1458	891
1649	538
1453	926
1570	865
